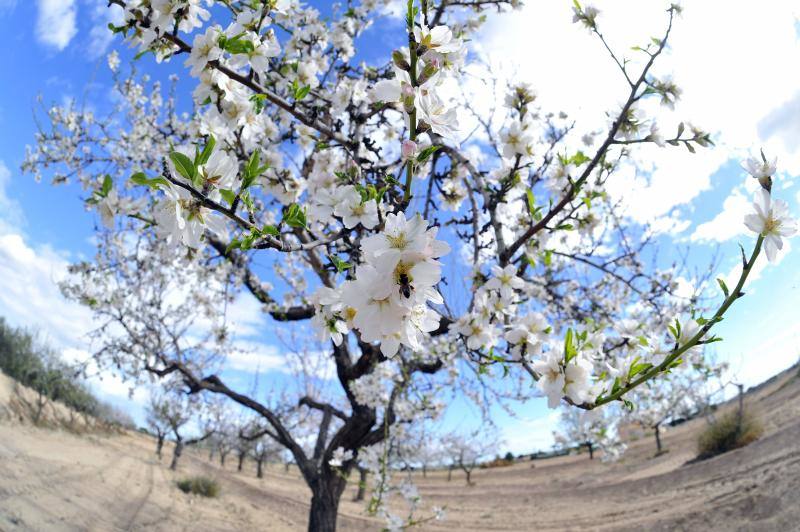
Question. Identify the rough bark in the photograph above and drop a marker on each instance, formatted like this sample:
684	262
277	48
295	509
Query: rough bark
326	493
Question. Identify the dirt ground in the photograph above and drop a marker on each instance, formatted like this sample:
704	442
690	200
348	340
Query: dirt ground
52	480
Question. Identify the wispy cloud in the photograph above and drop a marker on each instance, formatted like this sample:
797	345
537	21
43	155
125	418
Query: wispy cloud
56	22
100	37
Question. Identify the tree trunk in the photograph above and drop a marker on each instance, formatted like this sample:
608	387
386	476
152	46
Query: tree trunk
222	458
469	476
259	467
425	471
449	473
286	467
159	446
211	455
176	454
326	493
658	439
362	484
590	446
241	462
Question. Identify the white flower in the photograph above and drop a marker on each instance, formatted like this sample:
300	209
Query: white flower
516	141
113	60
505	280
438	38
760	168
656	136
353	211
205	48
221	170
551	381
432	110
531	331
340	456
107	207
772	221
181	218
479	333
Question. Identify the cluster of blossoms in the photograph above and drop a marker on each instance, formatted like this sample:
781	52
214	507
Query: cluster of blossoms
388	300
418	75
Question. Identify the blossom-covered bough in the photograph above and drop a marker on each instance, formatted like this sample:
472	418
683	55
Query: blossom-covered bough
348	201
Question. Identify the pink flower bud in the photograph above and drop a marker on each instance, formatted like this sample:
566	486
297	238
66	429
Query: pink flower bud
409	149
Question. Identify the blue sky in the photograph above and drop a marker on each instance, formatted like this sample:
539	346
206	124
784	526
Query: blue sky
746	91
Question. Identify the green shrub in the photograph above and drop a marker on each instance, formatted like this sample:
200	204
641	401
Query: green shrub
729	432
199	485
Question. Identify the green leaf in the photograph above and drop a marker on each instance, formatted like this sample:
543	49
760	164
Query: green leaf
140	179
228	195
570	351
531	202
238	45
339	264
108	184
302	92
579	158
205	155
548	257
184	166
271	230
259	100
295	216
425	154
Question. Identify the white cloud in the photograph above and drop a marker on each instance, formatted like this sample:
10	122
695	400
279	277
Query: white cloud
254	357
728	223
10	211
30	297
100	37
56	22
723	57
527	435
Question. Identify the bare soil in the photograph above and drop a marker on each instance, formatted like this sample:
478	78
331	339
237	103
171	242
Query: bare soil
54	479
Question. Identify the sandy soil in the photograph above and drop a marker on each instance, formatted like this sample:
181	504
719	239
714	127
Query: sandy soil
53	479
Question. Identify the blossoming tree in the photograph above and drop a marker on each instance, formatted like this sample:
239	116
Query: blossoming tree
355	186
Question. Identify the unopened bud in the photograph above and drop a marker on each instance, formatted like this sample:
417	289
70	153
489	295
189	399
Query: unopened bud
408	149
427	73
399	61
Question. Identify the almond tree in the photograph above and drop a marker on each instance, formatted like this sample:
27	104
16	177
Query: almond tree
353	182
681	394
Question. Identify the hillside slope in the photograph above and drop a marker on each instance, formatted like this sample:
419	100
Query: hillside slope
56	480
